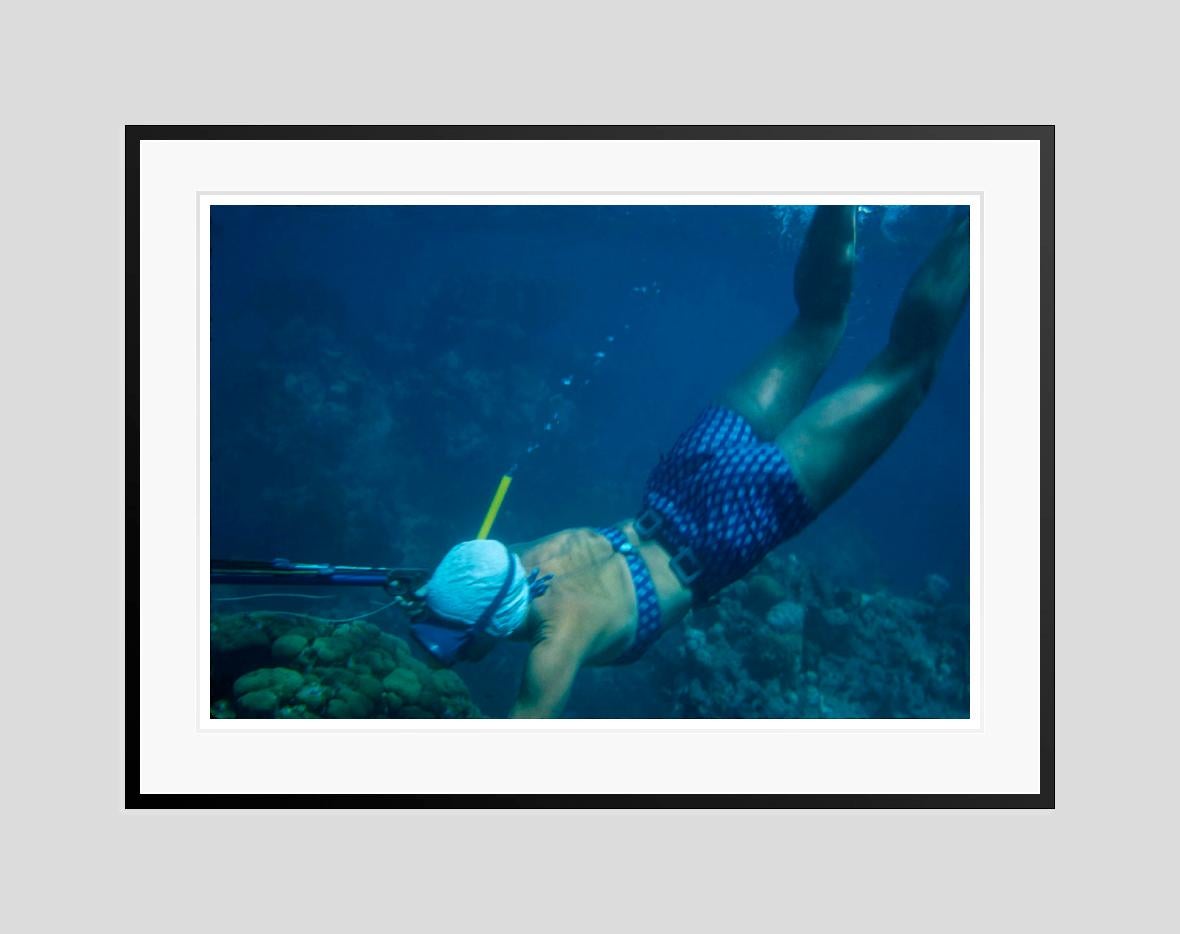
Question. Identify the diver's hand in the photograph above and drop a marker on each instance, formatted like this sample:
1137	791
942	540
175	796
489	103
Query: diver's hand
413	607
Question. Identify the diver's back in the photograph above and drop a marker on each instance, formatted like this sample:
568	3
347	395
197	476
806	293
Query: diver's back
591	592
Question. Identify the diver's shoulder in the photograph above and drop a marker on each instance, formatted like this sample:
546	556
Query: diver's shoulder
572	543
582	540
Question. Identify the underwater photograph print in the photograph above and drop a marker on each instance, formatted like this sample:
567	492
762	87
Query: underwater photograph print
617	461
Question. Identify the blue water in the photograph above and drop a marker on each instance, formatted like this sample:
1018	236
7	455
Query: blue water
376	369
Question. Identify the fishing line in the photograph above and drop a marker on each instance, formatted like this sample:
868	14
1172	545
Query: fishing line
347	619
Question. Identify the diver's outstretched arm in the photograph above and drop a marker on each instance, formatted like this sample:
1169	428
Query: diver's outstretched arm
548	678
835	440
774	389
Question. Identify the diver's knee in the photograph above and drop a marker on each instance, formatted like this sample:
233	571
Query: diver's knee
919	377
916	329
911	374
924	377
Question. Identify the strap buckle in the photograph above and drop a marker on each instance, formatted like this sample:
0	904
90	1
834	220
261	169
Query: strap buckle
648	523
685	564
686	567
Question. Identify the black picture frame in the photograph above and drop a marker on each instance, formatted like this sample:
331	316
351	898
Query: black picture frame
1043	134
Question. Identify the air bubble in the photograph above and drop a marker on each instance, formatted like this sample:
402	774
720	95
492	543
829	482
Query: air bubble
567	380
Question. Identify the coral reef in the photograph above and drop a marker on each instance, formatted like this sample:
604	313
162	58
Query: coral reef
289	665
784	643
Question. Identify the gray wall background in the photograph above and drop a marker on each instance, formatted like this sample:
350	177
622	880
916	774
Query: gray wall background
74	74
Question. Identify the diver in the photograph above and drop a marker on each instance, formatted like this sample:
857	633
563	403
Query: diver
757	466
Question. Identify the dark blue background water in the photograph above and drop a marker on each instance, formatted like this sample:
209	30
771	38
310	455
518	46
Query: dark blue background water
375	370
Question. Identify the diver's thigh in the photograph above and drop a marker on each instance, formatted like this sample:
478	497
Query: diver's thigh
774	388
836	439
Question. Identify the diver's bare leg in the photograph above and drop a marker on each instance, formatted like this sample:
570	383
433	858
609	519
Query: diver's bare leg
834	441
775	387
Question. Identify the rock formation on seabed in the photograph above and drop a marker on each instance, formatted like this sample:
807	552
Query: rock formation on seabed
286	665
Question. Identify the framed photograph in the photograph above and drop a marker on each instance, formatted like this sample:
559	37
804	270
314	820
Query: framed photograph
591	466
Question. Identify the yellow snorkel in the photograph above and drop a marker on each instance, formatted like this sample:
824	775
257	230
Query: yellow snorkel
497	500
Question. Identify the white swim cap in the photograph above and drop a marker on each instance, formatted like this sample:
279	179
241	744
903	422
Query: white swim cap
468	581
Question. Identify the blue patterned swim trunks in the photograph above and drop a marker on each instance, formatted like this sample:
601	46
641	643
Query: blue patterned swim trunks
725	495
